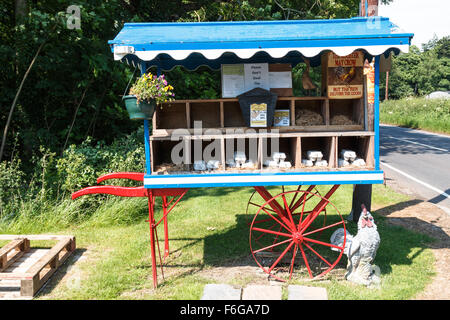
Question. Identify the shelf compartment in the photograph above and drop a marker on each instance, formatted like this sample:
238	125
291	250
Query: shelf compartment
310	113
250	146
232	115
363	146
172	115
289	145
206	112
327	145
346	112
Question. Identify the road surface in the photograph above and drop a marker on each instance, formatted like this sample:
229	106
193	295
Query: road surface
417	162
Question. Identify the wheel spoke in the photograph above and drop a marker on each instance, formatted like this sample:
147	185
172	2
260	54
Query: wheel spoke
323	243
259	205
279	222
281	256
293	261
273	232
295	197
288	211
323	259
262	234
324	228
272	246
306	261
301	216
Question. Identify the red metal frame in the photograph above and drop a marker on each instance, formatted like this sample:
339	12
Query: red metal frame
176	193
281	214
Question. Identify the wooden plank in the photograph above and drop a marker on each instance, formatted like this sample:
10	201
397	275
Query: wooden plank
188	115
370	153
270	135
46	259
292	112
326	112
20	246
222	115
222	153
320	128
33	237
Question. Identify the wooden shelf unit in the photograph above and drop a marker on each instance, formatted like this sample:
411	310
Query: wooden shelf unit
295	144
223	114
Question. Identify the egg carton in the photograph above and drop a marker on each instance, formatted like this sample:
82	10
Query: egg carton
348	155
199	165
321	163
307	163
314	155
278	156
213	164
343	163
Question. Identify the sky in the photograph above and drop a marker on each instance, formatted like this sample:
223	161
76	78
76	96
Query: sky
424	18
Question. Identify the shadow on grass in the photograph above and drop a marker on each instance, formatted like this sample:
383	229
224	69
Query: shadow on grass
63	271
400	245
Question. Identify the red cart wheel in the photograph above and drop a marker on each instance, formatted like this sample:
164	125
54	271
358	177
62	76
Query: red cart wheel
285	235
255	202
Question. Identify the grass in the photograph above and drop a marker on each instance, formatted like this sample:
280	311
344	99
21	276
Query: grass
208	229
418	113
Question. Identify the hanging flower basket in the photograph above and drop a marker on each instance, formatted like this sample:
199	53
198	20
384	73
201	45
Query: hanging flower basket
139	111
146	93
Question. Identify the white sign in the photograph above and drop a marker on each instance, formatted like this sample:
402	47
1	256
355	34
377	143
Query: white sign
256	76
280	79
232	80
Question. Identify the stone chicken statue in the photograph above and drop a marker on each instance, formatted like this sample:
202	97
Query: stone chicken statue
360	250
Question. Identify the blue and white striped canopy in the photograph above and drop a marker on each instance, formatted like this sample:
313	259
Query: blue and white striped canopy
213	43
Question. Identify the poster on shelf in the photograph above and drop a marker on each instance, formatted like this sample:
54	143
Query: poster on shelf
344	75
281	118
258	115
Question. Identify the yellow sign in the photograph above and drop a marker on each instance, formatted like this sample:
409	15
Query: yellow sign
345	92
369	72
352	60
258	115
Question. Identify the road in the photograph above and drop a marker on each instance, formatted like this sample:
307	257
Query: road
417	163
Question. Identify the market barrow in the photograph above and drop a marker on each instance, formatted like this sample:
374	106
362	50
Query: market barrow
290	226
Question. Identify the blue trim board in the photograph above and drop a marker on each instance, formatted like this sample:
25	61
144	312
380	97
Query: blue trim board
377	113
243	184
262	174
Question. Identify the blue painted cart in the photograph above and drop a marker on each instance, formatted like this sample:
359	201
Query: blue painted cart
288	232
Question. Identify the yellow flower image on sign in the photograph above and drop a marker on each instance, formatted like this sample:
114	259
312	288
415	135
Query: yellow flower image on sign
258	115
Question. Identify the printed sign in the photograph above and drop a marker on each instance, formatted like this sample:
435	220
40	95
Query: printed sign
281	118
232	80
256	76
240	78
345	76
258	115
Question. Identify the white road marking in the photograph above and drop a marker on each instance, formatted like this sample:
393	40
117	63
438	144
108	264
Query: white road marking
441	192
425	145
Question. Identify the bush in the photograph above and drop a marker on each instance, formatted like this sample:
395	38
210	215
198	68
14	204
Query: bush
45	195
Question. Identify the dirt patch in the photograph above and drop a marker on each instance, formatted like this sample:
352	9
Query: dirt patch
426	218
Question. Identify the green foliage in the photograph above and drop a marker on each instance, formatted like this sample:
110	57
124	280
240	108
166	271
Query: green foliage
55	178
418	113
202	83
420	72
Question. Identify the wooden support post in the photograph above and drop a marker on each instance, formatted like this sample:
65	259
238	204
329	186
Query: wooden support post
362	194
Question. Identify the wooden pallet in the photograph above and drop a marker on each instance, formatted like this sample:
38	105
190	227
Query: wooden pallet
24	270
